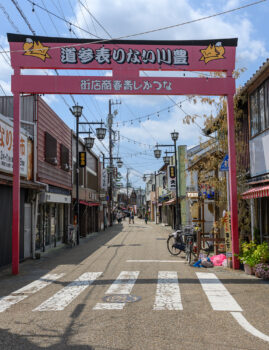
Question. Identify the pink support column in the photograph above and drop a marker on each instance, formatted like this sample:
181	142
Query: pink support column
232	178
16	186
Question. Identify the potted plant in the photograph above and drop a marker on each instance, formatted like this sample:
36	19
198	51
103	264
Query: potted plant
261	252
248	258
262	271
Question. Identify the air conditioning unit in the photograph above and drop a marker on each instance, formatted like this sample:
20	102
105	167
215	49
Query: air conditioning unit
66	167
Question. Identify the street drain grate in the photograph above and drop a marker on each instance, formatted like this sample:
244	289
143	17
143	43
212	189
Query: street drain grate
121	298
161	239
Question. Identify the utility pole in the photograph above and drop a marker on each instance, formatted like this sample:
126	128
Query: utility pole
111	167
127	186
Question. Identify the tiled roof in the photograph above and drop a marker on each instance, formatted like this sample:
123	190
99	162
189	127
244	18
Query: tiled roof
255	76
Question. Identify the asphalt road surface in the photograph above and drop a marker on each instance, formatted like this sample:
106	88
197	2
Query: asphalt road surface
121	290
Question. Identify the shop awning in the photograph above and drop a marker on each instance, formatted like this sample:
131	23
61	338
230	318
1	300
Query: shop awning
89	204
256	192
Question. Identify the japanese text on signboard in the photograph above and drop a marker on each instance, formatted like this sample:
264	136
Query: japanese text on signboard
6	149
171	178
102	55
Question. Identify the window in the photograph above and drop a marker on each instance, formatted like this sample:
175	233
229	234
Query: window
259	109
50	149
266	103
64	157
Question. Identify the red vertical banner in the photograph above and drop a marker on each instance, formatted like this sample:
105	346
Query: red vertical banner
232	180
16	187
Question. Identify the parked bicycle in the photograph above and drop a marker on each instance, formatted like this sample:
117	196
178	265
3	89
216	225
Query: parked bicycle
184	240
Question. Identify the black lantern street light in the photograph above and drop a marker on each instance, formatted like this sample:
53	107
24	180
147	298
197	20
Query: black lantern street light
166	159
174	136
89	142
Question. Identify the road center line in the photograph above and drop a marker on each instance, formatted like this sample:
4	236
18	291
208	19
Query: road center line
161	261
217	294
67	294
168	294
24	292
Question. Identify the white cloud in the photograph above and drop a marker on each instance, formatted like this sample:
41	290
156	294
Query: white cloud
134	16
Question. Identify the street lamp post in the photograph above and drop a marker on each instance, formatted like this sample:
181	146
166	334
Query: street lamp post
111	167
157	154
174	136
89	141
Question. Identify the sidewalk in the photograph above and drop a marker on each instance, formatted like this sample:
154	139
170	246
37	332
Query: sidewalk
60	255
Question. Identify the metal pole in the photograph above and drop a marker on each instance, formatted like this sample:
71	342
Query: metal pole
16	186
177	204
155	197
127	185
110	121
77	180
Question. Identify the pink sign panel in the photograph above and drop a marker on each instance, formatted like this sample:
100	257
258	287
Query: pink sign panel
129	56
122	85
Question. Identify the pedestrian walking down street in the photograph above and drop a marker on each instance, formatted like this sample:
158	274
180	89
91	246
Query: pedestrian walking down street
132	217
146	218
129	216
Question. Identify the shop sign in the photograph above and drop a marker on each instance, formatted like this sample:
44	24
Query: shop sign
82	159
104	180
171	178
192	194
6	150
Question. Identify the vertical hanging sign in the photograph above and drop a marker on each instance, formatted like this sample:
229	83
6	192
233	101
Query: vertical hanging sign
172	178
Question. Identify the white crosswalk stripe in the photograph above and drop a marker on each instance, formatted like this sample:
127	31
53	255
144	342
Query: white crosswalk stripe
167	294
66	295
217	294
31	288
122	285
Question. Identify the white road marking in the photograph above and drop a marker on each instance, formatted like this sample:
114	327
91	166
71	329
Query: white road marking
39	284
248	327
217	294
122	285
24	292
109	306
8	301
162	261
67	294
168	294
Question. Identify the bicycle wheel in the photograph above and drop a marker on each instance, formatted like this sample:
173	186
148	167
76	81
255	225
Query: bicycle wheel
208	249
170	246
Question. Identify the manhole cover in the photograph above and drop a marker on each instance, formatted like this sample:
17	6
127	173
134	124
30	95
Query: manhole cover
121	298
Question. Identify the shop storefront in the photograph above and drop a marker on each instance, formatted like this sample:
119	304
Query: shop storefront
52	219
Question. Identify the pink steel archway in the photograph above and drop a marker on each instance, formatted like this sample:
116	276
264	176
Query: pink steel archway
125	58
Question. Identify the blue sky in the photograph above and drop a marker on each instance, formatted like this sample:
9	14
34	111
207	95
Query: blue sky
119	18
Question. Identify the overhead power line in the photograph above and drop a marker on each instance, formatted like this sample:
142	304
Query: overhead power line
23	16
9	19
152	30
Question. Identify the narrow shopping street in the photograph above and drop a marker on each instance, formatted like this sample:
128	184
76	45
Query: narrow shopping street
121	289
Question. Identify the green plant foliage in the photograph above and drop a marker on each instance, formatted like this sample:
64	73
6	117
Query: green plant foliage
253	254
